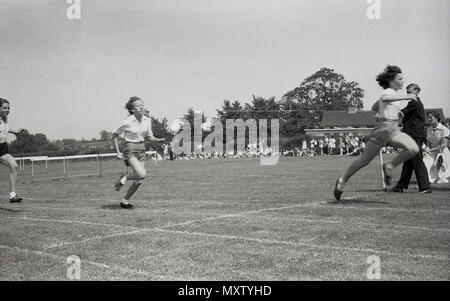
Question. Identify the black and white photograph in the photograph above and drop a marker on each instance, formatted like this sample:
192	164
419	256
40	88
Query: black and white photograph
209	142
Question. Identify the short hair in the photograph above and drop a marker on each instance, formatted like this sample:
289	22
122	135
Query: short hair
413	86
435	115
130	104
2	101
388	74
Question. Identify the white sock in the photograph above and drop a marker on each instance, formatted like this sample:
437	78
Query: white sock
123	180
12	195
124	201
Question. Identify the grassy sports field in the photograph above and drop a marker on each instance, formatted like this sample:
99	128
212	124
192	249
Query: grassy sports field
229	219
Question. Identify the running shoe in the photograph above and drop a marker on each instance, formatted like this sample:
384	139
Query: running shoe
118	184
397	189
126	206
16	199
339	188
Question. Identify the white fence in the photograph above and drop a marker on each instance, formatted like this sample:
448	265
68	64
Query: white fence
65	165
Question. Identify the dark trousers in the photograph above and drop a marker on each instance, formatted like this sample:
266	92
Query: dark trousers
415	164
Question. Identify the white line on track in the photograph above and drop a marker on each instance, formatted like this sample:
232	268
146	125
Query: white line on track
143	230
62	221
109	210
96	264
306	219
181	201
335	205
350	223
315	246
338	205
164	229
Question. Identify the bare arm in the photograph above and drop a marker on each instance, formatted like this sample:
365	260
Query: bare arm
376	106
444	144
116	145
393	98
153	138
18	132
440	148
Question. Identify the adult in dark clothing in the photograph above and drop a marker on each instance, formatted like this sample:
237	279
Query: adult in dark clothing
414	125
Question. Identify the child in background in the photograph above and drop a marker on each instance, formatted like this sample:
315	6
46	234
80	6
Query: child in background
5	158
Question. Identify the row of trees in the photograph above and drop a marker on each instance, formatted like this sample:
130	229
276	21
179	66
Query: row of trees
28	144
297	109
303	106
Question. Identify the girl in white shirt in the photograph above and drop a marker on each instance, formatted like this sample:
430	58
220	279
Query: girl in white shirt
5	158
387	130
134	129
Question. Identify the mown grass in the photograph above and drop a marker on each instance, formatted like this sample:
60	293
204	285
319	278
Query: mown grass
227	219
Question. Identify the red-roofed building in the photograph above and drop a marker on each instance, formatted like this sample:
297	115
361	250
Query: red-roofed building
345	122
351	121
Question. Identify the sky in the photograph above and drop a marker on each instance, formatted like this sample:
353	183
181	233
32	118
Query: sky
71	78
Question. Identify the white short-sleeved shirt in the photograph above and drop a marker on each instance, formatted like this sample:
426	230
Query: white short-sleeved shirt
134	131
4	130
389	110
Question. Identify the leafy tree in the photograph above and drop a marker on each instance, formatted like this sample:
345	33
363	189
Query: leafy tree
29	143
160	130
258	108
105	135
231	110
262	108
325	90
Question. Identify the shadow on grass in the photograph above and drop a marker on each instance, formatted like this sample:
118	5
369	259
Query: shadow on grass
111	207
10	210
388	190
440	188
355	200
370	190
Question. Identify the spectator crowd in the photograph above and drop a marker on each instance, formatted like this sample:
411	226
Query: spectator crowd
347	144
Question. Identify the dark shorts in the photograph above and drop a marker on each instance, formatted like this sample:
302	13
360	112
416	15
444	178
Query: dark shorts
3	149
136	150
383	132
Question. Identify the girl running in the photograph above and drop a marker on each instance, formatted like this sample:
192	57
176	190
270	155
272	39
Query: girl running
135	128
5	158
386	132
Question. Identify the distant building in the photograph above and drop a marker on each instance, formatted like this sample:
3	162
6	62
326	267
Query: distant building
97	144
345	122
351	121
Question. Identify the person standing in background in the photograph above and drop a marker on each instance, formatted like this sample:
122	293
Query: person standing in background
414	126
